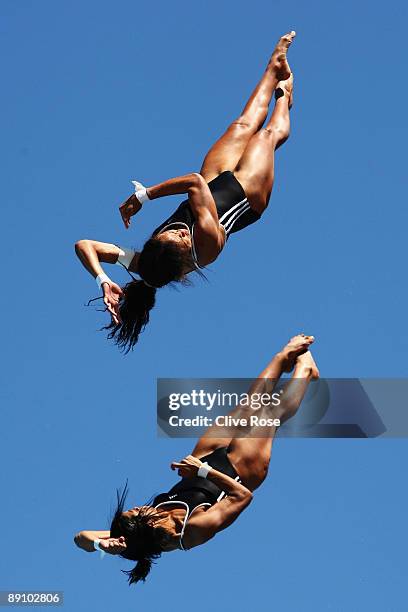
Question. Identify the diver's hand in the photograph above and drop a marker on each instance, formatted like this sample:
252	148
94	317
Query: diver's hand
129	208
113	546
188	467
111	296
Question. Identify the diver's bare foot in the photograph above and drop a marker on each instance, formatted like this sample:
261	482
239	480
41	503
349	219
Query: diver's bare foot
279	60
295	347
285	88
306	366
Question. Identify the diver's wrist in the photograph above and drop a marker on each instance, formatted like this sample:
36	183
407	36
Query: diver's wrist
101	279
204	470
97	547
96	544
141	193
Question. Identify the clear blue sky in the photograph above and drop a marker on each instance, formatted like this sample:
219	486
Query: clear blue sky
98	93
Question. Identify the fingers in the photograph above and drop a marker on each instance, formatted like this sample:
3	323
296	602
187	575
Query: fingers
125	217
177	464
116	545
113	315
117	313
109	308
112	306
182	469
115	319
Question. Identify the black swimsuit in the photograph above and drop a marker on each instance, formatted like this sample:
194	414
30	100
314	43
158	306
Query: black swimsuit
192	493
234	211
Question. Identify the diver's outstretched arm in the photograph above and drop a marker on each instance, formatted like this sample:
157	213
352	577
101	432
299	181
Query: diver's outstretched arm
237	492
86	540
91	253
189	183
222	514
192	184
195	186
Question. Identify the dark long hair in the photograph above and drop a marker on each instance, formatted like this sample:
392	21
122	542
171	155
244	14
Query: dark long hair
144	541
161	262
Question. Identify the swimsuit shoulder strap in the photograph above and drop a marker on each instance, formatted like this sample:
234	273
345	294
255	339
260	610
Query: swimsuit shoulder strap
193	249
185	523
194	254
187	516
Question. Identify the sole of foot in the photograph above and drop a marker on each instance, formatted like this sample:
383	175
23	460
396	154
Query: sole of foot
294	348
279	56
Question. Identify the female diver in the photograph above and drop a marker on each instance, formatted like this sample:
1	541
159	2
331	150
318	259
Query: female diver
218	478
231	191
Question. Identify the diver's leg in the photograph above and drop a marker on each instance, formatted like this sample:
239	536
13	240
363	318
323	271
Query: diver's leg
219	437
255	169
251	455
226	152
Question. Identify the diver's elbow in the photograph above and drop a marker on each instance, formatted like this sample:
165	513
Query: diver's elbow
79	539
80	246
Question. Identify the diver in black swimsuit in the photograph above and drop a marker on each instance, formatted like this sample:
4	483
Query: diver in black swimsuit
233	211
231	192
217	479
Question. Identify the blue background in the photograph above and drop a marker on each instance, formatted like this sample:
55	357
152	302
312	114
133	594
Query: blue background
98	93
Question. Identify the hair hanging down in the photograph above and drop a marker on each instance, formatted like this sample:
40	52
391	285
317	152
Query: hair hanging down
160	263
144	541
